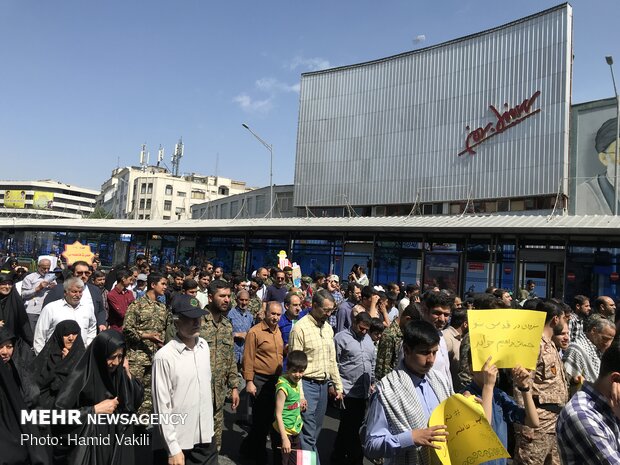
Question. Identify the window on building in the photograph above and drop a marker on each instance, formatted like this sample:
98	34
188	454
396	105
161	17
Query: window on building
147	217
143	188
148	204
503	205
285	204
168	189
179	211
182	194
166	217
223	190
167	205
140	217
200	195
260	204
149	189
141	204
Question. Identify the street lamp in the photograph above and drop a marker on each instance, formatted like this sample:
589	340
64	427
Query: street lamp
610	62
270	148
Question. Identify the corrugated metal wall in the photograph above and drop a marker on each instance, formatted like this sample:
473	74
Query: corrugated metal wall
383	132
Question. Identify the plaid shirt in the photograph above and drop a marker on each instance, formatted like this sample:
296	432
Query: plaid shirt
575	327
588	430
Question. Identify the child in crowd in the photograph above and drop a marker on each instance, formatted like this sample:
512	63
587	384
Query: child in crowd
499	408
289	404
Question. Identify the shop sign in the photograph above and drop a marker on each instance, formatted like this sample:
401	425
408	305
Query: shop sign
570	276
503	121
614	276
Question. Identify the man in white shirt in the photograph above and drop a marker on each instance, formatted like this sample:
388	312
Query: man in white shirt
69	308
181	383
34	289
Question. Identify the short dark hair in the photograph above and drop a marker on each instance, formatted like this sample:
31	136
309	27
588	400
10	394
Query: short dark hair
420	334
363	317
459	316
531	304
80	263
153	278
412	288
204	274
352	286
189	283
413	311
367	292
550	308
287	268
289	296
611	358
321	296
438	299
376	325
580	300
296	360
123	274
216	285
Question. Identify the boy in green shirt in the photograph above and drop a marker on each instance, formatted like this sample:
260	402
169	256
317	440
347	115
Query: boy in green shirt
289	404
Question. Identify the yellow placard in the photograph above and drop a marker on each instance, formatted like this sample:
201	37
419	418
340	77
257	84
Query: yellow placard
43	200
470	439
15	199
78	252
512	337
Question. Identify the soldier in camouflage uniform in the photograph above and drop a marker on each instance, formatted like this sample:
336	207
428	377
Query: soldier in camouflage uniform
256	304
389	350
144	329
550	393
216	329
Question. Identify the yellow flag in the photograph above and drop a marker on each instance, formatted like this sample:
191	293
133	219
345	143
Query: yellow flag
470	439
511	337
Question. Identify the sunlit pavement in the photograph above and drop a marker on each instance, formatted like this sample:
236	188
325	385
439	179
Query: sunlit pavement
233	433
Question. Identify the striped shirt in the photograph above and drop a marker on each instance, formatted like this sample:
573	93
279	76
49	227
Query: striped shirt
588	431
318	344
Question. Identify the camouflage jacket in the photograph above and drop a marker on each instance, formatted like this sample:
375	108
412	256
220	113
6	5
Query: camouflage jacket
388	350
223	366
255	306
143	316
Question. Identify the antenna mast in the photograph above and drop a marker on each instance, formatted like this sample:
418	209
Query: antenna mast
176	157
144	157
160	155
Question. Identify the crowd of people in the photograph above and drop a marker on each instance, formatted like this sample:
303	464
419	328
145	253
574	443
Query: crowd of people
187	340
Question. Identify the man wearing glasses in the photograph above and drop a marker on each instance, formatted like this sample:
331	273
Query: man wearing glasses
90	298
35	288
277	291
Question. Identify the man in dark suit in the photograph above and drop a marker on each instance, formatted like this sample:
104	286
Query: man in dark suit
92	294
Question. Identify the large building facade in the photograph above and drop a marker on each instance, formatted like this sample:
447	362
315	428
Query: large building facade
253	204
153	193
45	199
478	124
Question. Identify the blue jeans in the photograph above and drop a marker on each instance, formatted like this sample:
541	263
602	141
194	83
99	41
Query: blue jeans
316	396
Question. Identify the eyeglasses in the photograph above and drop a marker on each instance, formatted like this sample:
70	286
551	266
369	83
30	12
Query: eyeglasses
280	278
254	288
82	273
5	283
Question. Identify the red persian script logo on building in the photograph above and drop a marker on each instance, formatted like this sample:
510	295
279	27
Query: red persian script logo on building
509	118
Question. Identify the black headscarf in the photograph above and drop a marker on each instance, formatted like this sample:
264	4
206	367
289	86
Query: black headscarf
14	315
50	368
91	382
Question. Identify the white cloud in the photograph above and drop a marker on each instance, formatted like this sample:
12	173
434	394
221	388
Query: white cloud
310	64
250	105
273	85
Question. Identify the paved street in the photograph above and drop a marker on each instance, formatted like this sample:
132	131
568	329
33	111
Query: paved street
233	434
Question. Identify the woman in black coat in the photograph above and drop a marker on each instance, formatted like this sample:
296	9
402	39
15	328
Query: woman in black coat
58	358
100	383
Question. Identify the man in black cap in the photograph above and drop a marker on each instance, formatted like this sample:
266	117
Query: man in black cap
182	385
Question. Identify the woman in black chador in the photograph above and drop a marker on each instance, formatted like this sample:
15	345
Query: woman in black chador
57	360
12	449
101	384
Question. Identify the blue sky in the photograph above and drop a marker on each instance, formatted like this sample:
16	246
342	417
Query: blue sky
84	84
